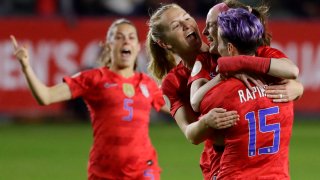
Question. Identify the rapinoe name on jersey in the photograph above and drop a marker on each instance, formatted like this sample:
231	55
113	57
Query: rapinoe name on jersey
247	94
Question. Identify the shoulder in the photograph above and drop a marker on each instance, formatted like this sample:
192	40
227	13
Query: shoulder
145	78
269	52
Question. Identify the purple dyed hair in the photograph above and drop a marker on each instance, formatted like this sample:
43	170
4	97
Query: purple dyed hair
242	29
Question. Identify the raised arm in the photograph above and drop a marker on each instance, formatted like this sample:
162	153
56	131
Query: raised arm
43	94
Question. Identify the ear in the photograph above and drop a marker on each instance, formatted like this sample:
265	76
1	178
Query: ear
232	50
164	45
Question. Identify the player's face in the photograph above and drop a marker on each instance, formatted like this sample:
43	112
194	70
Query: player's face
124	46
181	31
210	31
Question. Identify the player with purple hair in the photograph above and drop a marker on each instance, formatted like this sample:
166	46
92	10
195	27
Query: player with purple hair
258	146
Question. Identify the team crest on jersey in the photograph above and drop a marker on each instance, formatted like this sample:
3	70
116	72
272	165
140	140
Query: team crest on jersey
144	90
128	90
196	68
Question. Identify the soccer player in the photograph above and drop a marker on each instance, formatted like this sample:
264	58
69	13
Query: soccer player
119	100
258	146
173	31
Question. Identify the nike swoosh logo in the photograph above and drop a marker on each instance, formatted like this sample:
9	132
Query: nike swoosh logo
109	85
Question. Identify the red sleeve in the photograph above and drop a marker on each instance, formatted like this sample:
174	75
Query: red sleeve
157	96
269	52
199	70
170	87
81	82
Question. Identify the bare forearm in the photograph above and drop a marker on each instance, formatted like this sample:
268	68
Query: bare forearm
198	131
38	89
43	94
198	95
283	68
195	131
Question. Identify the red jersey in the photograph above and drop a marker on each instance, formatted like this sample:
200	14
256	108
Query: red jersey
175	88
119	109
258	146
208	64
177	94
205	68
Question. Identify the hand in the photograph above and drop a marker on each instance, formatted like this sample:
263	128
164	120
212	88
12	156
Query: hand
21	53
286	90
219	118
245	78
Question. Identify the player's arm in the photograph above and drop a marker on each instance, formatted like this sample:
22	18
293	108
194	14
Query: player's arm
43	94
277	67
284	91
165	109
196	131
199	88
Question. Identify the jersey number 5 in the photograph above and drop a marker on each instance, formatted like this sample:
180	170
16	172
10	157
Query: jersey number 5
127	105
263	127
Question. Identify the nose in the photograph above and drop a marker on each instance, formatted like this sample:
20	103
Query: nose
205	31
126	40
185	25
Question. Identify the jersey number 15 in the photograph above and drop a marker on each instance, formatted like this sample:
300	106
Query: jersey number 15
263	127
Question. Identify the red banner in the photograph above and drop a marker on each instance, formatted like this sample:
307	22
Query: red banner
58	48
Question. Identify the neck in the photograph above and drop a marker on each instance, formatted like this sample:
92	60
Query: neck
189	59
125	72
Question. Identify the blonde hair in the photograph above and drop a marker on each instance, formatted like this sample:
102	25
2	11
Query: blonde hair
161	59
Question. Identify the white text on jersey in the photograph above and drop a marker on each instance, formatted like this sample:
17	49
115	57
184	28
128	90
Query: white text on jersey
247	95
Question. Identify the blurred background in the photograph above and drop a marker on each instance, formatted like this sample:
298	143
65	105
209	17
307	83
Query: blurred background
62	36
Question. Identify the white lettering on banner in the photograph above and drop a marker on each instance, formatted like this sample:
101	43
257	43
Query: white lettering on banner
307	56
43	54
10	70
90	54
64	54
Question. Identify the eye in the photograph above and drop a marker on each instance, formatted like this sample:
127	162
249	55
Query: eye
175	26
132	37
118	37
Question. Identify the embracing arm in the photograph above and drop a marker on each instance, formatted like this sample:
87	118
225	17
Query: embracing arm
43	94
199	88
277	67
196	131
284	91
283	68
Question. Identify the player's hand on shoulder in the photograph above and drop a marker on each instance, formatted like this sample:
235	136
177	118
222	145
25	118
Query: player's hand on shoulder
20	52
219	118
246	79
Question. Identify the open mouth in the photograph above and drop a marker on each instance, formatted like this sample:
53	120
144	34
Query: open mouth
125	52
191	35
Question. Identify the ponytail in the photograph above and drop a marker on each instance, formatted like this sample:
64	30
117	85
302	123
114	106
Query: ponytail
161	60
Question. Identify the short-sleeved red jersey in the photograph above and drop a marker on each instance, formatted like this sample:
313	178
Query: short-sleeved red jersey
208	64
175	88
177	93
258	146
119	109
